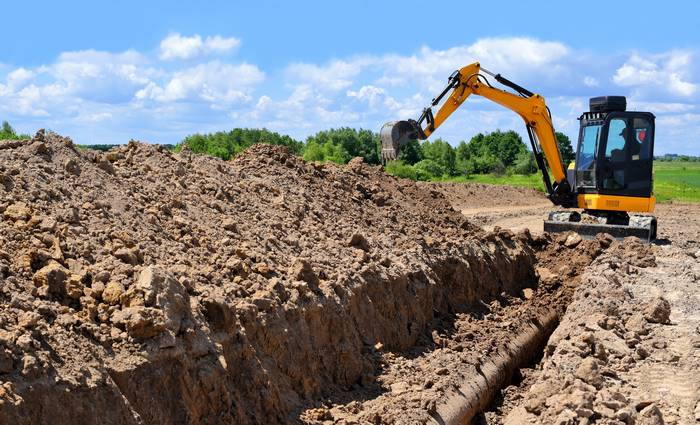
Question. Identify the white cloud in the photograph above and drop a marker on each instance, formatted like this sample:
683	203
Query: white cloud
667	73
591	81
371	94
334	76
176	46
212	82
19	77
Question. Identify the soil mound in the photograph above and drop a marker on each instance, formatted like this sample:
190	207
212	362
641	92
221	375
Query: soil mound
144	286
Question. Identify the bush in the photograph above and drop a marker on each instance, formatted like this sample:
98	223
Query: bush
525	163
498	168
228	144
484	164
317	151
8	133
428	169
442	154
401	169
504	146
343	144
411	153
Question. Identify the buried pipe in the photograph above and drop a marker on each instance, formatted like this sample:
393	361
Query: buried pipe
476	392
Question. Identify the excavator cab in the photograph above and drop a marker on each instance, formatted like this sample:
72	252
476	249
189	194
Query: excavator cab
612	176
615	150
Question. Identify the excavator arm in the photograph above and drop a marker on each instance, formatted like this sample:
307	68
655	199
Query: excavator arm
531	108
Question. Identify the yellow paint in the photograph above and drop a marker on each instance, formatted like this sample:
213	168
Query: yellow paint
591	201
532	110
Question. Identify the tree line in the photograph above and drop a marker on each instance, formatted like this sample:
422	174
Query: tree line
499	152
9	133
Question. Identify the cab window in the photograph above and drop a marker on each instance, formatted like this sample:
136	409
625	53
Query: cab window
617	133
585	163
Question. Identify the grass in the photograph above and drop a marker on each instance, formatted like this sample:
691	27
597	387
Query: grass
673	181
533	180
677	180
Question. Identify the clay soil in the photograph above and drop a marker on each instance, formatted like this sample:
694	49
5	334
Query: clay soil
140	286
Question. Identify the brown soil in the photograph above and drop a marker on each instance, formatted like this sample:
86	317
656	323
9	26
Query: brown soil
627	349
142	286
422	384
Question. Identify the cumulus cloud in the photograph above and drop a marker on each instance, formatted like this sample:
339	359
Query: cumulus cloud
334	76
180	89
669	73
176	46
212	82
591	81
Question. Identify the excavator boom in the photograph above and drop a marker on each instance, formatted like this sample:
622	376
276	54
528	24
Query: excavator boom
530	106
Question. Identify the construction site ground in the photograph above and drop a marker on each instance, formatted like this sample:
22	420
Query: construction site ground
141	286
654	362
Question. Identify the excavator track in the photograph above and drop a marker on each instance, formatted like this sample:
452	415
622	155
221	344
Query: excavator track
640	226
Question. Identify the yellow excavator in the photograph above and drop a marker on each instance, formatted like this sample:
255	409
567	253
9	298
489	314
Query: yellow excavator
611	179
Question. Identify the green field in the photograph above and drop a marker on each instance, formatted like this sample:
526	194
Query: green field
532	180
676	180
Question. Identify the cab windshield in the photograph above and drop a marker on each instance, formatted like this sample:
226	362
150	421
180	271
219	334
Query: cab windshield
585	157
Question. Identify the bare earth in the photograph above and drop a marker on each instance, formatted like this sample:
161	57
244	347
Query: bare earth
140	286
610	357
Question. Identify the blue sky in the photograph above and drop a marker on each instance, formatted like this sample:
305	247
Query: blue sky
157	71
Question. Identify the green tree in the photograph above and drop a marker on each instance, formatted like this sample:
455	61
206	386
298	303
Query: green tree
505	146
9	133
428	169
525	163
411	153
565	149
363	143
318	151
228	144
492	152
442	153
462	152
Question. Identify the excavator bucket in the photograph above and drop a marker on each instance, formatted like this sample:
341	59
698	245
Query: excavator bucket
394	135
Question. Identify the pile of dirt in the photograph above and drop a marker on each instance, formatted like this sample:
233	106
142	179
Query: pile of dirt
144	286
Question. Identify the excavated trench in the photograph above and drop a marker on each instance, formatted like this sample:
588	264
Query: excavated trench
472	352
